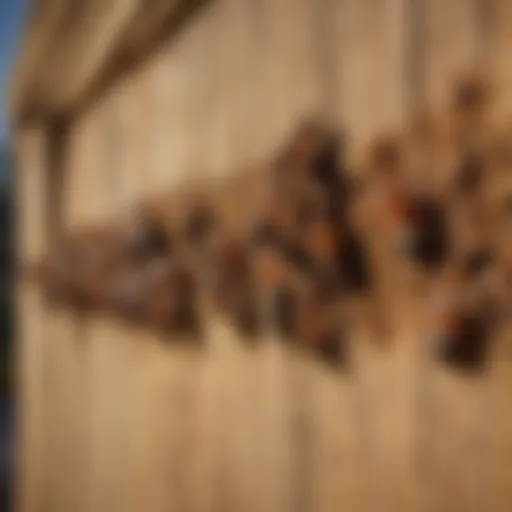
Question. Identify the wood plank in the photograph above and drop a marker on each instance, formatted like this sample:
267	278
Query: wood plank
498	60
371	67
453	36
155	415
456	436
218	430
375	98
289	90
61	374
499	423
166	463
106	357
110	416
457	442
209	436
338	460
136	485
337	399
32	152
499	419
234	418
239	477
32	475
32	480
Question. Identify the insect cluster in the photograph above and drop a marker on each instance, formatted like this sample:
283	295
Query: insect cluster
431	200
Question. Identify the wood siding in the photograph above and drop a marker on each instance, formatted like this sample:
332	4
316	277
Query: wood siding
116	419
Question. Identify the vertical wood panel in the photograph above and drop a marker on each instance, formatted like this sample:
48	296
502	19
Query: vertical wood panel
500	425
207	426
233	427
375	97
453	36
234	88
32	473
237	371
288	91
500	12
132	349
63	369
289	81
152	482
167	380
75	194
372	66
336	438
69	344
31	488
132	180
180	103
500	418
178	85
64	446
338	465
106	361
111	415
32	189
456	434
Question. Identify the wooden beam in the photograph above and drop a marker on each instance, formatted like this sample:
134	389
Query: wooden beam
79	47
100	36
33	56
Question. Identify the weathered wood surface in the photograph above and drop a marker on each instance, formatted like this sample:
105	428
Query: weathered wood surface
119	419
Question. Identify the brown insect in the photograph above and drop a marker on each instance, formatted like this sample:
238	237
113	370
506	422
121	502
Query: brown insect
313	318
234	287
285	311
471	93
199	224
245	312
385	155
147	237
307	142
323	239
466	340
466	320
127	293
318	332
159	293
61	274
184	316
101	253
331	347
470	174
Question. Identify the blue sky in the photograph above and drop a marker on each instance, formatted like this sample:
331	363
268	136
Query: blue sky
12	15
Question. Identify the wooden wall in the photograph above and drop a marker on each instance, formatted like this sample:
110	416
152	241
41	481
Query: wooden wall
116	419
